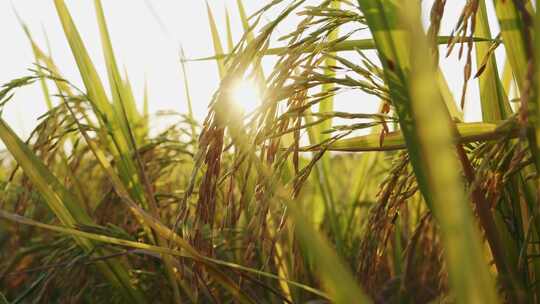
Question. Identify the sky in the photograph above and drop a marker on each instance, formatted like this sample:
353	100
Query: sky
146	36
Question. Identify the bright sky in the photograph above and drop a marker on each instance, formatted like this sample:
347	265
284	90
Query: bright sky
146	35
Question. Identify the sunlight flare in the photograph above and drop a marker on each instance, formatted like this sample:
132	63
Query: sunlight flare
246	95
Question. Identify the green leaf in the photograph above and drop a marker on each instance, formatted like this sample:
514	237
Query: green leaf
469	132
230	43
469	276
218	48
512	32
327	105
91	79
333	46
495	104
336	278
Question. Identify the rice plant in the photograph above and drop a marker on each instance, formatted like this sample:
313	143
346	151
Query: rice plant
296	201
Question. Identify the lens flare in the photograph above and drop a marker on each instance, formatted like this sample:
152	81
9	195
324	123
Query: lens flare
246	95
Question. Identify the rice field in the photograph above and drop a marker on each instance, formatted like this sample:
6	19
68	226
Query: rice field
295	201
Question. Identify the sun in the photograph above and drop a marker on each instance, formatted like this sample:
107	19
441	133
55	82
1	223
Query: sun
246	95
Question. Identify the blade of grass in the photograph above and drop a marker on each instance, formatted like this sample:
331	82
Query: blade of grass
495	104
322	178
327	105
448	98
393	50
332	46
535	111
36	51
91	80
218	48
469	132
230	43
512	29
248	31
188	95
121	94
335	277
469	276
